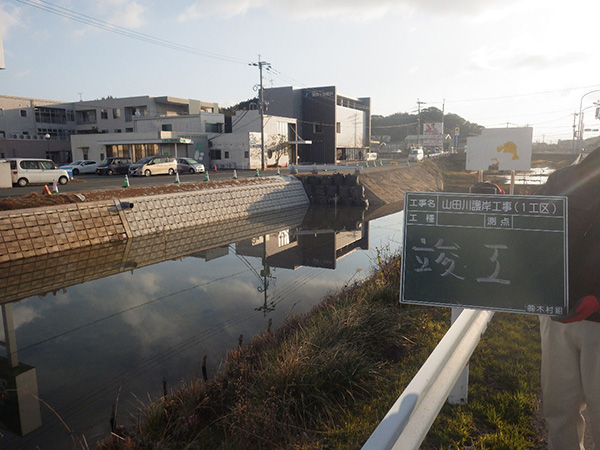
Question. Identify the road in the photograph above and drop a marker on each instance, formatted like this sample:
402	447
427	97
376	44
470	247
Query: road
91	182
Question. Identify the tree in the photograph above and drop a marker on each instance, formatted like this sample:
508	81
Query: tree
277	147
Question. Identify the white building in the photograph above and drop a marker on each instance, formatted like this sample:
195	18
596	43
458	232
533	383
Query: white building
183	135
241	149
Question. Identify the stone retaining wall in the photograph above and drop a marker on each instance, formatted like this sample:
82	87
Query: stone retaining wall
40	231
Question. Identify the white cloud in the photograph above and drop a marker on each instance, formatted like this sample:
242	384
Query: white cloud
10	18
123	13
345	10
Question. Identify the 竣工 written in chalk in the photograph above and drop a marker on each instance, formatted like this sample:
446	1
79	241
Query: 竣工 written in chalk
506	253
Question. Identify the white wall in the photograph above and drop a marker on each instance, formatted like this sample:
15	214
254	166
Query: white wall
352	127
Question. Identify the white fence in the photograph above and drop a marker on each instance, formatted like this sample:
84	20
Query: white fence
405	425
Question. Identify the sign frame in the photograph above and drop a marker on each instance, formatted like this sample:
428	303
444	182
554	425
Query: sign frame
485	251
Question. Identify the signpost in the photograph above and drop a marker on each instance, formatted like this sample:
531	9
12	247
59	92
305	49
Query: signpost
504	253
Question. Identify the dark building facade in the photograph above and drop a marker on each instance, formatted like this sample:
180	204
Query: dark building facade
338	127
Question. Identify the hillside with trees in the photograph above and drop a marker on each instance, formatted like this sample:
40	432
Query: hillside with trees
400	125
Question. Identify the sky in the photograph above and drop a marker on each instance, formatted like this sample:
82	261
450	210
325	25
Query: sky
498	63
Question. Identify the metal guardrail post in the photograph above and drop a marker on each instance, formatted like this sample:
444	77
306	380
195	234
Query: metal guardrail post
406	424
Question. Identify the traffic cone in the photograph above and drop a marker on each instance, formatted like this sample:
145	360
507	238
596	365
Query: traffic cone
206	177
176	177
46	191
295	170
234	174
54	187
126	182
278	172
256	174
215	168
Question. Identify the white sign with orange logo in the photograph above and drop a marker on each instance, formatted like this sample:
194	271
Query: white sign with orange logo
500	149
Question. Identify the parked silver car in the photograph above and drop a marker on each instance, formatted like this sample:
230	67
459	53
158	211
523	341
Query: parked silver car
189	165
153	165
81	166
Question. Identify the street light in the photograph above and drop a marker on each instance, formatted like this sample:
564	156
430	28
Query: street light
47	136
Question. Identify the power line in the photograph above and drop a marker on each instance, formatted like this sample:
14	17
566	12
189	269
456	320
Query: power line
106	26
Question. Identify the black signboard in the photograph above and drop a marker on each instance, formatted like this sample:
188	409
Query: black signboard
497	252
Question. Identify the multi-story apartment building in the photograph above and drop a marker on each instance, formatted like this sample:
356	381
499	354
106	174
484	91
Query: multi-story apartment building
32	127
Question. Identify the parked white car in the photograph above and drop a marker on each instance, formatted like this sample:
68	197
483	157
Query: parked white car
81	166
26	171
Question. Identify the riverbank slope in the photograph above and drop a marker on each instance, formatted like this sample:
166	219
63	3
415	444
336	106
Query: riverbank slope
324	380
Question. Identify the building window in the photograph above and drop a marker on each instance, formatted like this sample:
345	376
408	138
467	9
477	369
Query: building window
23	113
50	115
167	127
282	129
213	127
117	130
128	130
102	157
246	154
103	114
338	127
214	154
317	128
116	113
226	155
85	152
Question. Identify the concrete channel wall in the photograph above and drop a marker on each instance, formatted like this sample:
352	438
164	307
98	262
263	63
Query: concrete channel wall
41	231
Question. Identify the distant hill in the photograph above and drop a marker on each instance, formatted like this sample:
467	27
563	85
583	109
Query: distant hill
400	125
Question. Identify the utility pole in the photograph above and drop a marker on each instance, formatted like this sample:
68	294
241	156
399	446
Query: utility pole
419	103
267	66
443	134
574	132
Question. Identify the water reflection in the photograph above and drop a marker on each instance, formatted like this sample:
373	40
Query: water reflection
104	324
535	176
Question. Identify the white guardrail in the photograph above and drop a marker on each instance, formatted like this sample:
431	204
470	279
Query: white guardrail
406	424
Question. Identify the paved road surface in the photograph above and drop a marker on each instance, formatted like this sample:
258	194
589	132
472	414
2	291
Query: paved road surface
90	182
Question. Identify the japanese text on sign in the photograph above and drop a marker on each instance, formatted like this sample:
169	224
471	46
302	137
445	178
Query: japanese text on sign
485	251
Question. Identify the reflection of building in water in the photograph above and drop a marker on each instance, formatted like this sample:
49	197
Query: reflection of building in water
49	273
325	236
212	253
19	404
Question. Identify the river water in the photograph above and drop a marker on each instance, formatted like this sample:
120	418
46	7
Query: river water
108	327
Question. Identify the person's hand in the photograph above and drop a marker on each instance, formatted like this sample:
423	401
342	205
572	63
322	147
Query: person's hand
585	307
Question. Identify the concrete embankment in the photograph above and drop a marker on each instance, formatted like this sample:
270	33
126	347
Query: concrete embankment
40	231
375	186
46	230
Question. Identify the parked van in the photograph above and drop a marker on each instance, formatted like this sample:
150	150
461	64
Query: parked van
112	165
416	154
26	171
153	165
